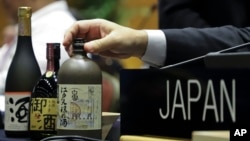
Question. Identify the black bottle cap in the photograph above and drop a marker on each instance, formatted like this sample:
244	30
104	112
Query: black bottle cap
57	50
78	44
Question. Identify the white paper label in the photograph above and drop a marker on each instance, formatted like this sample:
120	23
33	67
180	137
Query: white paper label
16	111
79	107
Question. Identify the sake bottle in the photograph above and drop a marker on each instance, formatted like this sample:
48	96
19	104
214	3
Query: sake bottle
22	75
79	95
43	104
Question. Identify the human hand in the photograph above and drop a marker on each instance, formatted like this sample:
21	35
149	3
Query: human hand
108	39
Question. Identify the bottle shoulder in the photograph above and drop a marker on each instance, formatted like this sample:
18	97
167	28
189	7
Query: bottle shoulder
46	86
79	71
80	63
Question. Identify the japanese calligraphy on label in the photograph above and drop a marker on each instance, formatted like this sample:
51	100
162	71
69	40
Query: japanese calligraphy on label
16	114
43	114
79	107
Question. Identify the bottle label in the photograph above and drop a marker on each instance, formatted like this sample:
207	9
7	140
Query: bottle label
17	111
79	107
43	112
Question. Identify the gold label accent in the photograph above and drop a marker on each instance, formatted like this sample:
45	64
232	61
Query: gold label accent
24	27
49	73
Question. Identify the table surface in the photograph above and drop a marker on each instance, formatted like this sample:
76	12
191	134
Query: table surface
4	138
110	128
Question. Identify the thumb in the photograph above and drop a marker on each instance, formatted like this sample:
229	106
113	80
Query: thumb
96	46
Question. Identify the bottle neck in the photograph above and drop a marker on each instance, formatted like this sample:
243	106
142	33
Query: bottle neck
50	64
78	47
79	52
24	41
24	26
57	65
53	65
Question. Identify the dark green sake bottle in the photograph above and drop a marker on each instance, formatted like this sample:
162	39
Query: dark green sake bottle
22	75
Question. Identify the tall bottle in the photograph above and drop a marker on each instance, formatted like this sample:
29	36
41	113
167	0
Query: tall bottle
22	75
79	95
43	104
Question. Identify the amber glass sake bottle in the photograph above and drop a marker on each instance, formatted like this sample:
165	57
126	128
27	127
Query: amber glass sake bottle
43	103
22	75
79	95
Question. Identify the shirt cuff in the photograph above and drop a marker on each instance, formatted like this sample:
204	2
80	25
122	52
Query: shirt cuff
156	51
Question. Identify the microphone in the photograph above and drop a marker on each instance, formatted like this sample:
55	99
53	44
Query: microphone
197	60
235	48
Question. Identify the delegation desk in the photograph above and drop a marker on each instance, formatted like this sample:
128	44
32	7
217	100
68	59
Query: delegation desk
196	136
199	99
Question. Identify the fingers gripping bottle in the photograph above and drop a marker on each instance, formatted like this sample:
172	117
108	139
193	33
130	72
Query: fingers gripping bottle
79	95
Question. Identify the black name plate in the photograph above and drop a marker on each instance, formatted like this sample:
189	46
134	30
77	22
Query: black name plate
176	101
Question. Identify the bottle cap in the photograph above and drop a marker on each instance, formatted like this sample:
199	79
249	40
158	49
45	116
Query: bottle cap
50	51
24	12
56	49
78	44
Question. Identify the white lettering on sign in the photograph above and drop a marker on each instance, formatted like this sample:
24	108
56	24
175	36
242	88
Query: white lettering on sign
193	99
240	132
210	104
210	94
178	90
232	105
